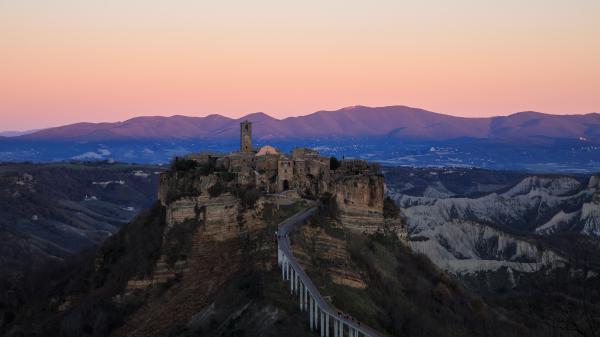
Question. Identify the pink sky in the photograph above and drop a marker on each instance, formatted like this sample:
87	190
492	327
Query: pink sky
66	61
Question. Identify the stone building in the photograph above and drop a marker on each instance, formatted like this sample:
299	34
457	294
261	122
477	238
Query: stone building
285	173
271	171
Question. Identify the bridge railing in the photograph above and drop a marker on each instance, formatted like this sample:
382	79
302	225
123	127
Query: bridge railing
311	300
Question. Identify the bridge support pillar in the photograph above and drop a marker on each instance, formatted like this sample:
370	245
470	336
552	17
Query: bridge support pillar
316	314
335	328
279	256
291	280
305	297
311	313
300	295
295	282
322	325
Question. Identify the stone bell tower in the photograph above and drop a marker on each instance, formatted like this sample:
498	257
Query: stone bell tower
246	136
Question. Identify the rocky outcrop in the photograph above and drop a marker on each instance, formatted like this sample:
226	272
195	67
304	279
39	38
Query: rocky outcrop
218	216
204	245
317	248
174	185
208	225
359	200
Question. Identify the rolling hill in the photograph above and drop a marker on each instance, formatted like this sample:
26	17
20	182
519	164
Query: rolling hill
393	135
397	122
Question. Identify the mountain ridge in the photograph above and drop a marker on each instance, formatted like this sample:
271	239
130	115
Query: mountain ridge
397	122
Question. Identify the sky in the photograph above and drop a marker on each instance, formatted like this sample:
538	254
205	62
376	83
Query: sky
66	61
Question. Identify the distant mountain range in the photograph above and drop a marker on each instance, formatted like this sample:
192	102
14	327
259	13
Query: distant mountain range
393	136
396	122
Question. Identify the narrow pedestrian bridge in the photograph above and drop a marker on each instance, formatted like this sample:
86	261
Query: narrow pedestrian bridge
321	316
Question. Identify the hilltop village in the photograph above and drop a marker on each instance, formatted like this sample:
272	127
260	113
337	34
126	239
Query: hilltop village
356	187
269	170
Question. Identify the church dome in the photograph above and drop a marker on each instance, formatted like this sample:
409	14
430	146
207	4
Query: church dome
267	149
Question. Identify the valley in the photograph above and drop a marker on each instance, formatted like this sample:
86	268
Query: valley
50	211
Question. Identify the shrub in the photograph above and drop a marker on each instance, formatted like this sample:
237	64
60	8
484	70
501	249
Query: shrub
329	206
249	198
227	176
216	190
206	168
178	242
334	163
183	164
390	209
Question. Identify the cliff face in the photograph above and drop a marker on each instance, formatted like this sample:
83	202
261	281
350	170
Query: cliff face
317	245
221	278
360	195
219	217
206	205
360	205
206	241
